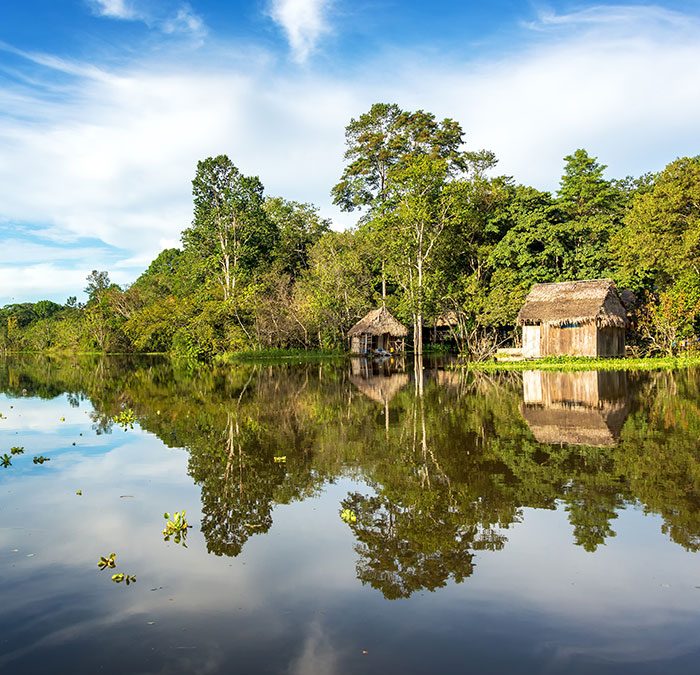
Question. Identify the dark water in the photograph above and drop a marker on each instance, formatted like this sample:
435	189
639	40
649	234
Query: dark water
536	523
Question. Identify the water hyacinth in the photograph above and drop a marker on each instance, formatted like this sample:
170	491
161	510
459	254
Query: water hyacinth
125	419
107	561
176	528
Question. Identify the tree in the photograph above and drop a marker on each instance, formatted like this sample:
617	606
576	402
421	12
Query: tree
419	209
300	226
230	233
583	190
98	282
660	241
384	138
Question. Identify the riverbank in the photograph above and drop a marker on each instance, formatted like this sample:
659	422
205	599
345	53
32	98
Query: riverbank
277	355
583	363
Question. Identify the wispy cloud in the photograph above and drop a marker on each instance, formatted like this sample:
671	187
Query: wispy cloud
304	23
609	17
185	20
114	9
157	15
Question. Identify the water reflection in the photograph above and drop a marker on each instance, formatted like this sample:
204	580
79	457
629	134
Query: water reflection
452	458
454	485
575	408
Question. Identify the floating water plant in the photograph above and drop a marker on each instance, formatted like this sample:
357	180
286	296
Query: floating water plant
5	461
125	419
2	417
107	561
79	493
348	515
16	451
40	459
176	527
120	576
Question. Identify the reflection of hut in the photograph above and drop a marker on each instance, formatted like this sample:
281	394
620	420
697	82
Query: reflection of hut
377	330
583	408
379	380
381	388
576	318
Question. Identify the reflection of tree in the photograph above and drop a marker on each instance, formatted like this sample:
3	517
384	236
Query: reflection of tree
404	548
238	482
454	469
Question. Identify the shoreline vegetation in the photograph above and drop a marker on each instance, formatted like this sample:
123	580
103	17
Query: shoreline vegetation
456	362
447	244
584	363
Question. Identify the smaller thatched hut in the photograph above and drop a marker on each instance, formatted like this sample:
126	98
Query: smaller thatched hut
377	330
573	318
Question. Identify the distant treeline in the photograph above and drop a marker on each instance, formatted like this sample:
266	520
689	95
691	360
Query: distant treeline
437	230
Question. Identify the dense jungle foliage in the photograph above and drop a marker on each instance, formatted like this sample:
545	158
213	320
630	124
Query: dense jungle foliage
438	229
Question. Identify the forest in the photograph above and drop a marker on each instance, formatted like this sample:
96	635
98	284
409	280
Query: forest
438	228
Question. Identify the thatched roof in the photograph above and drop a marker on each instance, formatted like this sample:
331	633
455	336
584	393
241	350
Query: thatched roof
577	302
445	320
378	322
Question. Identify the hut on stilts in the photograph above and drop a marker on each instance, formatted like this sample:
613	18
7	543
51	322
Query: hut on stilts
378	329
573	318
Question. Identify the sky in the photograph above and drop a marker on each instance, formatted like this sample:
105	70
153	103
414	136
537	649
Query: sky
107	105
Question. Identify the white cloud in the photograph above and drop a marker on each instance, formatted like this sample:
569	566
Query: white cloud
19	283
114	9
304	22
185	21
154	14
113	158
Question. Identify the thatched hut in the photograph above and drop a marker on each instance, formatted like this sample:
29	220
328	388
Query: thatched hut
573	318
583	408
377	330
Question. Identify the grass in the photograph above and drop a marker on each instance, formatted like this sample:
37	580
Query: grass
279	355
570	363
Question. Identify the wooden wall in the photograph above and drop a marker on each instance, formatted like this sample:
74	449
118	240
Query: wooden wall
570	341
531	342
611	341
585	340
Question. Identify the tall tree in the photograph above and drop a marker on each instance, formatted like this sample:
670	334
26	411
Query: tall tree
300	227
661	238
230	232
583	190
384	138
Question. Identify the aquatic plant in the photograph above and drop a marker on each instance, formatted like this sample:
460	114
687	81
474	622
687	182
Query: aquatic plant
348	515
125	419
176	528
120	576
5	461
16	451
40	459
107	561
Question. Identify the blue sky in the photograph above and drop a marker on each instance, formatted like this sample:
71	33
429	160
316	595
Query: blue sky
106	105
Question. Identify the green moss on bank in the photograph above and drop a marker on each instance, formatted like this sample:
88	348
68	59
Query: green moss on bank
280	355
581	363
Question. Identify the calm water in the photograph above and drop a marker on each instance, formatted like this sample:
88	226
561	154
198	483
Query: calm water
349	518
